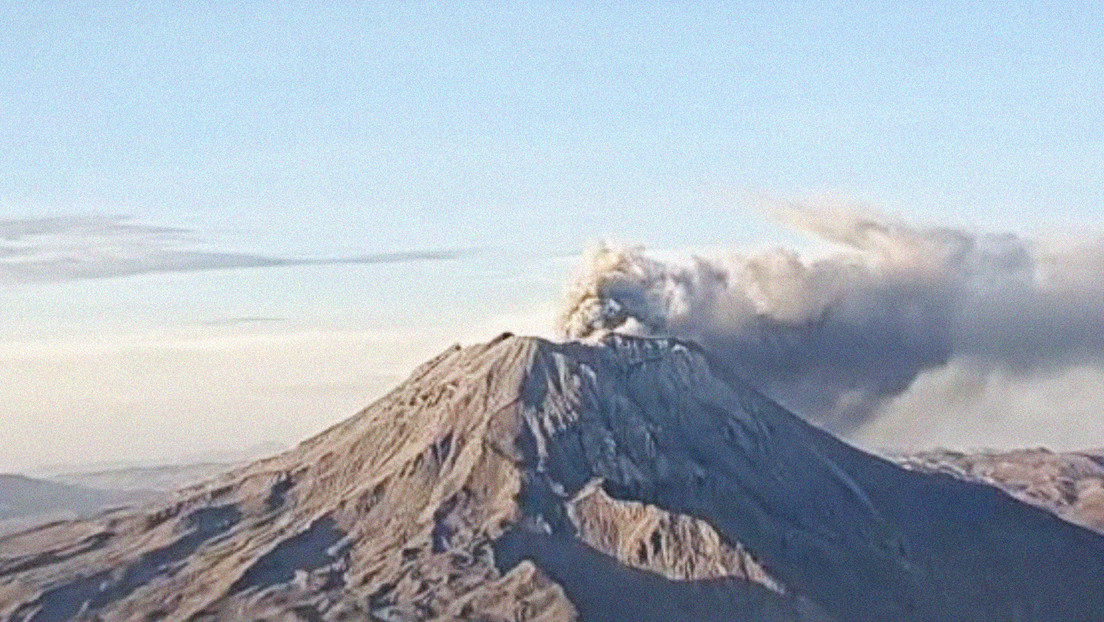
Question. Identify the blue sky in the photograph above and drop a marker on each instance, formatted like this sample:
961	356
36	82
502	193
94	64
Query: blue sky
519	132
315	126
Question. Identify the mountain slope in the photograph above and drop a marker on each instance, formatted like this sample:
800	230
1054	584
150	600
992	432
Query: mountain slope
1069	484
527	480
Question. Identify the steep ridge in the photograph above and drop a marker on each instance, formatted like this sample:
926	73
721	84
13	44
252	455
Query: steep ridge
528	480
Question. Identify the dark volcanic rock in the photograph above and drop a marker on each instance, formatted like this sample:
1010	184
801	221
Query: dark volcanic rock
526	480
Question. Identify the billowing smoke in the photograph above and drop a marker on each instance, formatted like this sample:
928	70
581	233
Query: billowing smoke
834	337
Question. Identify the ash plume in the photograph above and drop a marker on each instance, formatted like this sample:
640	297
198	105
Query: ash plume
836	336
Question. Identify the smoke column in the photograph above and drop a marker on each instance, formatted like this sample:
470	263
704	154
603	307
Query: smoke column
833	338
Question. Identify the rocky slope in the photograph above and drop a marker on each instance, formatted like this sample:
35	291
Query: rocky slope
527	480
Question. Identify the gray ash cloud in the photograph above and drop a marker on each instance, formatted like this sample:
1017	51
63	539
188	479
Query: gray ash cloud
835	337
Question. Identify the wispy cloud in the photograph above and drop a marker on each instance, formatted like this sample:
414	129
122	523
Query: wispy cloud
62	248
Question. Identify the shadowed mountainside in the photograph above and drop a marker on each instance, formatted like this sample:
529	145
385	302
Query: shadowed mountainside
1070	484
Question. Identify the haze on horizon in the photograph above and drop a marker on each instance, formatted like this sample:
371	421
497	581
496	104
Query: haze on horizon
226	226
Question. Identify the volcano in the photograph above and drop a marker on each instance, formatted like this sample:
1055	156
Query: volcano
627	479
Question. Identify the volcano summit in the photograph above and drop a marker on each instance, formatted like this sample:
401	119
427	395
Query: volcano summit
630	479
